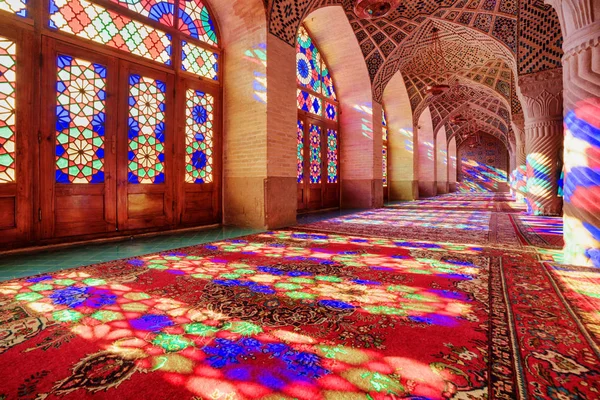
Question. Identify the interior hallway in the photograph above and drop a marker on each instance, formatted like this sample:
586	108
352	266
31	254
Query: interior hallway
431	299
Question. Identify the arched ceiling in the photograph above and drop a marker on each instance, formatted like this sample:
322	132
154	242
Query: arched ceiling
486	44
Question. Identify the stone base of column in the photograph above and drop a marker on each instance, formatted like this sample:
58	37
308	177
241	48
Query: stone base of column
262	203
362	193
452	187
442	187
427	189
404	190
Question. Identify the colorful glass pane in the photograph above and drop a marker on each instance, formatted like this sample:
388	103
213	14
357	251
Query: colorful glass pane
146	130
327	83
80	108
8	97
300	152
199	61
332	156
199	142
96	23
196	21
331	112
18	7
308	62
385	165
159	11
384	127
309	103
315	154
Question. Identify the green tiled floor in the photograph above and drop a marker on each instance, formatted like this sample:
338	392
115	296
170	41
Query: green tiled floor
21	265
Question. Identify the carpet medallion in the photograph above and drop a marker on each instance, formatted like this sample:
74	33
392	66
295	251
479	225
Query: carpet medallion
297	315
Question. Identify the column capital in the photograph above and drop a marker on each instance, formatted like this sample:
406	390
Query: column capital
541	93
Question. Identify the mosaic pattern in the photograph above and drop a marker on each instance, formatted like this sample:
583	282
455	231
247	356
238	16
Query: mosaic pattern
309	103
331	112
161	11
146	130
91	21
199	61
199	143
300	152
327	83
314	137
8	98
483	164
17	7
196	21
308	62
332	156
80	119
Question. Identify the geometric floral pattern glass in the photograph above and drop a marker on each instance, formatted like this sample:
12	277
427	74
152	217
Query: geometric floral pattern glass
80	108
199	61
18	7
196	21
315	153
199	137
146	130
308	62
158	10
300	152
8	91
332	156
96	23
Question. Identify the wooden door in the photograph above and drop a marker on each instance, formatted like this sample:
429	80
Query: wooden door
318	166
78	149
145	143
17	140
198	153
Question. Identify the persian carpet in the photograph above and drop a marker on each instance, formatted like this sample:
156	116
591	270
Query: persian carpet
546	232
297	315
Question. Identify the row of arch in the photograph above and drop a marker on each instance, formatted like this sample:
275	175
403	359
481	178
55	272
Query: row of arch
190	124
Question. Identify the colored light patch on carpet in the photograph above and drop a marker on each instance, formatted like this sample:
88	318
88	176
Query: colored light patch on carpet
287	313
540	231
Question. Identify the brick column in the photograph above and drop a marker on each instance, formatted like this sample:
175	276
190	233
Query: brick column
542	106
580	23
441	149
452	165
519	175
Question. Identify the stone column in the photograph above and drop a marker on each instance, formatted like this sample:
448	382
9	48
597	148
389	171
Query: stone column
520	172
542	105
580	23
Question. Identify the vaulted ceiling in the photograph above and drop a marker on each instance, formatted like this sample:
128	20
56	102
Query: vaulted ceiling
486	43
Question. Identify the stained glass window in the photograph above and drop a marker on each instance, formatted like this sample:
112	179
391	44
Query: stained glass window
146	130
308	62
300	152
309	102
80	107
196	21
384	127
315	153
385	165
332	156
199	131
157	10
331	112
199	61
93	22
327	83
8	93
18	7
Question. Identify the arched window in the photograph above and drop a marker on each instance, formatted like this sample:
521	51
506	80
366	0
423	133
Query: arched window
318	128
128	115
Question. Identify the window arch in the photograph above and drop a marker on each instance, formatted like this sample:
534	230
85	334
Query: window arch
317	128
130	102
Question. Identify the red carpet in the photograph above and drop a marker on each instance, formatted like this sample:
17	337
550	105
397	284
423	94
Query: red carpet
305	315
